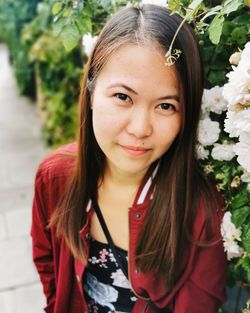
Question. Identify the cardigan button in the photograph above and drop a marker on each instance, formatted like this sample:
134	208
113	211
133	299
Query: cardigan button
136	271
78	278
137	216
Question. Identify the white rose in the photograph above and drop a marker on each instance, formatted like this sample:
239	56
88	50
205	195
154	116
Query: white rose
239	79
223	152
245	54
239	83
242	150
235	58
245	136
237	122
201	152
229	231
88	43
208	132
233	249
213	100
243	99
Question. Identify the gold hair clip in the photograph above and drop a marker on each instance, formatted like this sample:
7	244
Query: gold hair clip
172	57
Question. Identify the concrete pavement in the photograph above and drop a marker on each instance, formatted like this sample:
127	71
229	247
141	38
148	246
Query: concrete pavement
21	149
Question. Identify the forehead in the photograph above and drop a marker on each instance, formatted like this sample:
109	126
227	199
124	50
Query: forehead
139	64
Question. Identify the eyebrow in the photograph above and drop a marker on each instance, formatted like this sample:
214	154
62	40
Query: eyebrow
175	97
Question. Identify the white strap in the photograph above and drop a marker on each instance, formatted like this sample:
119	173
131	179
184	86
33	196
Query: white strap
146	187
88	206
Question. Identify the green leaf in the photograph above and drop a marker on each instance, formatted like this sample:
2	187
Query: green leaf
194	4
245	263
239	35
240	200
84	24
211	12
57	8
231	6
58	26
70	37
240	215
66	12
216	78
215	29
208	53
246	239
242	19
228	27
106	4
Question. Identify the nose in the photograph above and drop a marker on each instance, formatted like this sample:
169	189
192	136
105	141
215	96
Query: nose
140	124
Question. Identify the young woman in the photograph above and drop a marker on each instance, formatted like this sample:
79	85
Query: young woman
125	221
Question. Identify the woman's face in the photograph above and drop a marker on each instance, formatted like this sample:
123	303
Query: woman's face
136	107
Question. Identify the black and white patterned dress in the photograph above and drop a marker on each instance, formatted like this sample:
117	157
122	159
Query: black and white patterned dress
106	287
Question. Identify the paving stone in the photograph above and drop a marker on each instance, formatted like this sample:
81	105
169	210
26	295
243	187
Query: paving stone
16	266
26	299
16	198
18	223
5	182
21	151
6	302
3	232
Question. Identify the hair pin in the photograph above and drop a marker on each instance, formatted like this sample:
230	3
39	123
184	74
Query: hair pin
172	57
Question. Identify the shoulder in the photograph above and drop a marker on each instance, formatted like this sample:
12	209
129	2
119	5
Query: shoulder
57	165
51	179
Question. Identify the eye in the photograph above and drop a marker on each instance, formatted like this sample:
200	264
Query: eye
167	107
122	97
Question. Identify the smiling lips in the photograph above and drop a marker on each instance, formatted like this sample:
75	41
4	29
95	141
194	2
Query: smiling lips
135	150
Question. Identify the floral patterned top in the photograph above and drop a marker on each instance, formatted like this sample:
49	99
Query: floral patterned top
106	288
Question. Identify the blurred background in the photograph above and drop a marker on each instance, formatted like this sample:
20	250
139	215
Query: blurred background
43	48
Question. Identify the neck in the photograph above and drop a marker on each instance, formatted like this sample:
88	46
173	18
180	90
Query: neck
121	179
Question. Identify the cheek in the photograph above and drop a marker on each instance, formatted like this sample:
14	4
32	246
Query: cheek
106	123
168	132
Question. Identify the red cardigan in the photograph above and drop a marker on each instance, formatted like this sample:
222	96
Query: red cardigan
201	288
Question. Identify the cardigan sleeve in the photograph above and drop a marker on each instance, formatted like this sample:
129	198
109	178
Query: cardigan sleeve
42	242
204	290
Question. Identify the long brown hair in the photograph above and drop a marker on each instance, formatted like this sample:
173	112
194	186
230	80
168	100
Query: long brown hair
179	184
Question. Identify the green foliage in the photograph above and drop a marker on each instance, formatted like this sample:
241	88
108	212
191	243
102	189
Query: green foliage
71	23
53	37
221	30
59	75
13	16
235	31
215	29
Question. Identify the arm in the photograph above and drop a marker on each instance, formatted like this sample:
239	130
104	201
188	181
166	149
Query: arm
41	242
